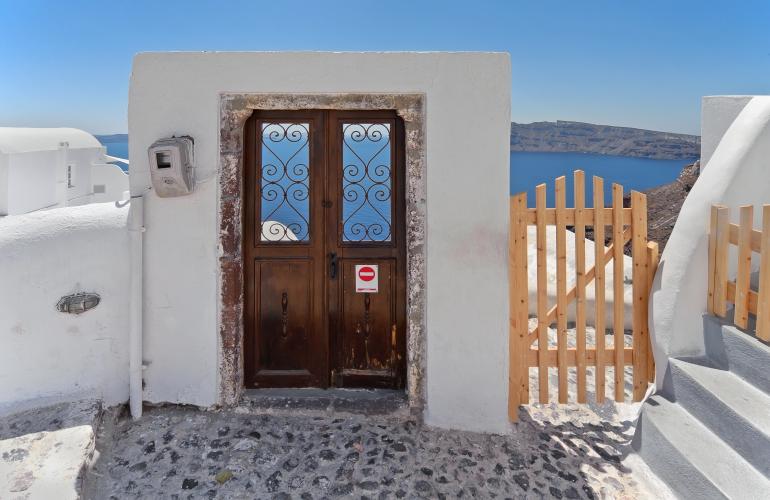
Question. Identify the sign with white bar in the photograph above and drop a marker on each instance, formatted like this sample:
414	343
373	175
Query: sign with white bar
367	279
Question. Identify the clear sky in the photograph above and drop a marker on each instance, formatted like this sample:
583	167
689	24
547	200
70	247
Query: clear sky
640	63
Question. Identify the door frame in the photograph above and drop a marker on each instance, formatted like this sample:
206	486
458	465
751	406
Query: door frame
235	109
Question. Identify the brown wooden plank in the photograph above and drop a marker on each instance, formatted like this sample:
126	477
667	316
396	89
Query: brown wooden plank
763	307
720	261
569	216
599	290
552	357
542	291
561	288
653	259
755	238
618	297
753	297
743	273
712	257
640	275
518	371
580	283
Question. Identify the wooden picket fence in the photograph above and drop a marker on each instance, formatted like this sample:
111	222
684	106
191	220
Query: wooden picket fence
626	224
722	290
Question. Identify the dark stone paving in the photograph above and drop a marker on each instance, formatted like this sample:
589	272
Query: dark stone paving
174	452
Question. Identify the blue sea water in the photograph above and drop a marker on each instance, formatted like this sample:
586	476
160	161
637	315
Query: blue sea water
530	169
118	149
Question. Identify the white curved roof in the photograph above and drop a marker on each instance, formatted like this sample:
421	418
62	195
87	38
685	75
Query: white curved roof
22	140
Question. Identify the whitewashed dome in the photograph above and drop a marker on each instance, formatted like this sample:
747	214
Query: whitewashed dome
23	139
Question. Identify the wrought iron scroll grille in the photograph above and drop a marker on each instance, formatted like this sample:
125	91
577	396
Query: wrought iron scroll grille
285	182
366	182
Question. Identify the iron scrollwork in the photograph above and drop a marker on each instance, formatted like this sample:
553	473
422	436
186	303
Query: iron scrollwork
285	183
366	182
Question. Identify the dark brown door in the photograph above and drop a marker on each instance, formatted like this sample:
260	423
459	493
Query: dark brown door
324	199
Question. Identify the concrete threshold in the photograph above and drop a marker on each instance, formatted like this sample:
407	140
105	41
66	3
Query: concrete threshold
325	401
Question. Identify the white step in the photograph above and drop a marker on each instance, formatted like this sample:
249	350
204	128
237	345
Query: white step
738	351
693	461
735	410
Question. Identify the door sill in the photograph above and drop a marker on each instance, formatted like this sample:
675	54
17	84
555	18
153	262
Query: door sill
312	400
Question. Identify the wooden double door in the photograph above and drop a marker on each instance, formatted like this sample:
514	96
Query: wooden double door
324	249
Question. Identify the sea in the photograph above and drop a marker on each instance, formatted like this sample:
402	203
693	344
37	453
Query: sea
530	169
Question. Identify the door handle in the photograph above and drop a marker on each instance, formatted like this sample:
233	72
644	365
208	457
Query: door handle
332	265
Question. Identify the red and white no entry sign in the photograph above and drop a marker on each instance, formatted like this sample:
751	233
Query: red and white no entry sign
367	279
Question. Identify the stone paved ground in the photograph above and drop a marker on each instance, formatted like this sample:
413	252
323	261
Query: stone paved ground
186	453
555	451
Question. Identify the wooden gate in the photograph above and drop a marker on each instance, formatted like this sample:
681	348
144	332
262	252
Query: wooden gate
622	224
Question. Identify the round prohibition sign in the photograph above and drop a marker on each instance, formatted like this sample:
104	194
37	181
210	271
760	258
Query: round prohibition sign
366	273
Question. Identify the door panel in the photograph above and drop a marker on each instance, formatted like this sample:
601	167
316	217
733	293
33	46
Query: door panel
285	306
286	342
324	192
369	350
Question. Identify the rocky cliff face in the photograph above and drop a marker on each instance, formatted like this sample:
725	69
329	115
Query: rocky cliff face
562	136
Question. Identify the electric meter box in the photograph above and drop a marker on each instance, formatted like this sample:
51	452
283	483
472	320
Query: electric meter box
171	166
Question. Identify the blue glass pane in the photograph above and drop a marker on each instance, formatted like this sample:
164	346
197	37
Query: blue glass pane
366	182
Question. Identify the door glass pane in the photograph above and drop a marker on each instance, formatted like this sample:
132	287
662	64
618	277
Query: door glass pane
366	182
285	182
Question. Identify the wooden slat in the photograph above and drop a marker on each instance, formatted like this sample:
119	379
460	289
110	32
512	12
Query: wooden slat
743	274
756	237
763	308
618	298
542	290
552	357
640	274
712	257
753	297
599	289
720	261
653	259
561	287
590	275
569	216
580	283
518	371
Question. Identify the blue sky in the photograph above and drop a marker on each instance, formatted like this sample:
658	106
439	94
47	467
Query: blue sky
640	63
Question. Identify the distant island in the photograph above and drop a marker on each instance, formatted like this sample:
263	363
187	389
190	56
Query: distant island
577	137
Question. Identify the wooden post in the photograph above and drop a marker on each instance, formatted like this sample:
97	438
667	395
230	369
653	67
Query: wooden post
743	274
653	258
618	296
599	285
640	292
561	288
763	304
580	284
518	370
712	257
542	295
720	260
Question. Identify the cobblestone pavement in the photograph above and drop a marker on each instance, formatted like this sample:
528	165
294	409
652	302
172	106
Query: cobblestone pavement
555	451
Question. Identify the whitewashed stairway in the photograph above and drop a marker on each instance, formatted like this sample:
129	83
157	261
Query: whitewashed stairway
706	434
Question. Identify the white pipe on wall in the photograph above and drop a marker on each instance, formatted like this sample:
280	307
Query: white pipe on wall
136	230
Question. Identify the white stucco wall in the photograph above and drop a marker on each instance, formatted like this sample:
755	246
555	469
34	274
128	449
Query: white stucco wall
31	181
736	175
48	354
718	112
467	140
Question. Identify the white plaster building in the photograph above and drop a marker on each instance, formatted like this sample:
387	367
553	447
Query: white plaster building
43	168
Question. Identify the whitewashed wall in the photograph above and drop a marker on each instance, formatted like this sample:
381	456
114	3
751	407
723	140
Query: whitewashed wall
48	354
736	174
468	123
718	112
